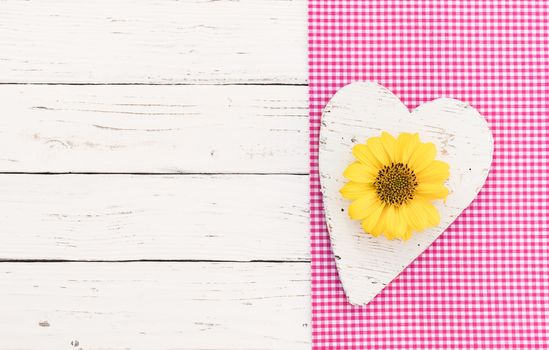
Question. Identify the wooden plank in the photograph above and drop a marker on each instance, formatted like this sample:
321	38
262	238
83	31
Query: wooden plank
127	217
196	129
154	306
159	41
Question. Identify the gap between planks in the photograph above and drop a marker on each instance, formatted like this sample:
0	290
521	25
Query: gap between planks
258	261
152	174
155	84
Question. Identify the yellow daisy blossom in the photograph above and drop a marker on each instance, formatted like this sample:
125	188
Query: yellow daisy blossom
393	183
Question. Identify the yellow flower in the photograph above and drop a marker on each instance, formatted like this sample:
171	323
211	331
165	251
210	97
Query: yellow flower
393	184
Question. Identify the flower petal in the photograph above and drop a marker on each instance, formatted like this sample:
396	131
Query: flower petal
436	171
363	206
424	155
407	234
354	190
390	223
429	213
416	220
389	143
360	172
365	155
369	223
376	146
381	222
406	144
400	224
432	190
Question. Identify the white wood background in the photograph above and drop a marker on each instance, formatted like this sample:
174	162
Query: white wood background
153	175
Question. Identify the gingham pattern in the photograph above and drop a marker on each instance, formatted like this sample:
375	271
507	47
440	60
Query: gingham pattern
485	283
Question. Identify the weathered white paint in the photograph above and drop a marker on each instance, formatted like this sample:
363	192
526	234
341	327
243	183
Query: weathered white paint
366	264
124	217
211	128
154	306
166	129
158	41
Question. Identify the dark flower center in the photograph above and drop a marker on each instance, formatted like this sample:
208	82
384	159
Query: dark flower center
395	184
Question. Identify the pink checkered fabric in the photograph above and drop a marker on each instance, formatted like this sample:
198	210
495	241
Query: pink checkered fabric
484	284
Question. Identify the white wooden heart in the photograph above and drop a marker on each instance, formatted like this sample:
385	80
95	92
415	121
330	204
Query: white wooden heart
366	264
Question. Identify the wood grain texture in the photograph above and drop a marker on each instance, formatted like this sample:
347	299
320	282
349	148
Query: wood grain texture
151	129
159	41
154	306
361	110
124	217
98	103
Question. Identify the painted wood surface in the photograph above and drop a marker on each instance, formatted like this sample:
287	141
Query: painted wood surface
159	41
366	264
182	217
52	306
206	101
154	129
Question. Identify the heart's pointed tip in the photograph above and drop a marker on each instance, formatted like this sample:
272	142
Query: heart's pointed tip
357	302
364	295
361	300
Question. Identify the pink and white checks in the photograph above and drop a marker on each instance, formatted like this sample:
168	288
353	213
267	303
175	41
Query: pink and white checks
485	283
